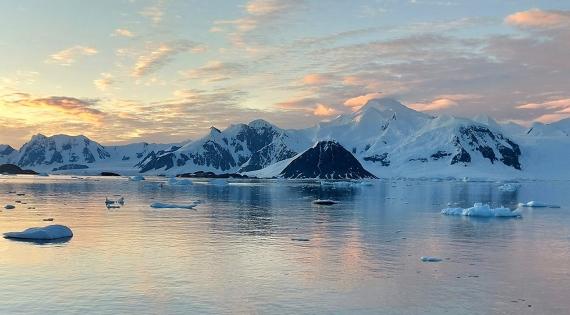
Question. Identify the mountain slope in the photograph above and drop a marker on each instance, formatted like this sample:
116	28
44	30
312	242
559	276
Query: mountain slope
325	160
240	147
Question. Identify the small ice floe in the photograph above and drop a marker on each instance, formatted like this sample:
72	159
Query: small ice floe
160	205
536	204
173	181
509	187
325	202
136	178
430	259
9	207
50	232
482	210
218	182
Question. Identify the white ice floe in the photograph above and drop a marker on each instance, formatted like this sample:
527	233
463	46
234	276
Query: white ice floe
136	178
325	202
9	207
482	210
346	184
430	259
509	187
173	181
160	205
50	232
536	204
218	182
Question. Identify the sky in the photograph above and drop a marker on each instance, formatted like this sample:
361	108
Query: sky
121	71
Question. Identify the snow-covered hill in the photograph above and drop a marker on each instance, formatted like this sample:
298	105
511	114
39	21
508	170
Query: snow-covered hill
77	154
388	139
238	148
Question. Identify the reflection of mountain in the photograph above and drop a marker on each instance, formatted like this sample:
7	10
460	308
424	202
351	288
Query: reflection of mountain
387	138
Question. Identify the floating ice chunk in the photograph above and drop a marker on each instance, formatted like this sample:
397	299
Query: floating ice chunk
9	207
509	187
536	204
430	259
50	232
136	178
325	202
179	182
160	205
482	210
218	182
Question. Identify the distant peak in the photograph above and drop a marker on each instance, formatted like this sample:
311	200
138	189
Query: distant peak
384	103
214	130
260	123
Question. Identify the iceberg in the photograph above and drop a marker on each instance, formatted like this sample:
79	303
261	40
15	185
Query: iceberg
218	182
160	205
536	204
482	210
136	178
430	259
509	187
179	182
50	232
9	207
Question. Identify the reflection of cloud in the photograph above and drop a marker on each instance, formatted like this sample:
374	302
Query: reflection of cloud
536	18
68	56
161	55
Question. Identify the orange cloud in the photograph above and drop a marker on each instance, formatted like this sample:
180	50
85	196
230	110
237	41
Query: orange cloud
361	100
104	82
163	54
315	79
536	18
442	102
75	107
69	56
324	111
555	104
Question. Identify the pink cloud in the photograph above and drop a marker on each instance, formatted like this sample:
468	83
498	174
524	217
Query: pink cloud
442	102
536	18
315	79
324	111
361	100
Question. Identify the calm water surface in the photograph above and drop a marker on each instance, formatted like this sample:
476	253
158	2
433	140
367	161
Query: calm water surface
236	254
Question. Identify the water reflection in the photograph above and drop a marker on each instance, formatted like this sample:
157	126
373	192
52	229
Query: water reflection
236	252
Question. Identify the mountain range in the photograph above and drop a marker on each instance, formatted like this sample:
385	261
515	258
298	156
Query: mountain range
384	137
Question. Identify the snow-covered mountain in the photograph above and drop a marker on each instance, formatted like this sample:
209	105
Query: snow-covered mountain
238	148
77	154
387	138
7	154
325	160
